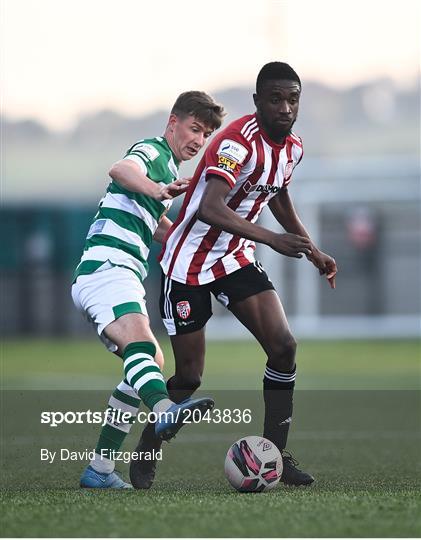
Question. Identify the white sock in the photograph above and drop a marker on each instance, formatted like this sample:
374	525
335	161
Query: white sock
162	406
102	464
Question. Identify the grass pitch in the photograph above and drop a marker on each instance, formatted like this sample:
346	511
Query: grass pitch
356	428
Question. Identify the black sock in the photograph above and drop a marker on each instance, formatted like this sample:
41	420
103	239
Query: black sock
278	389
177	393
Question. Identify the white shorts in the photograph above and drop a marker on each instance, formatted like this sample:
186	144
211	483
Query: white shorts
106	295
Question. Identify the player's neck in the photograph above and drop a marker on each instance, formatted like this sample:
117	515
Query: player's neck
276	138
169	137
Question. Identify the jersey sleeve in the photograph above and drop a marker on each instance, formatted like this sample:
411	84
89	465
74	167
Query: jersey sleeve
152	160
139	161
226	157
295	154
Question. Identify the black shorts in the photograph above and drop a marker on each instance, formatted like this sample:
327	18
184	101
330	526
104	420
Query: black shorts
187	308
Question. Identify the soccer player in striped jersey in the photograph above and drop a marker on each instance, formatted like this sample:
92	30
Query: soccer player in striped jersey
210	250
108	282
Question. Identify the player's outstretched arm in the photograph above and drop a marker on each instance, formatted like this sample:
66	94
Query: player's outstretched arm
130	176
283	210
163	227
214	211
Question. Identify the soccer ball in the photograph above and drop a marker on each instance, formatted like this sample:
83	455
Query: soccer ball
253	464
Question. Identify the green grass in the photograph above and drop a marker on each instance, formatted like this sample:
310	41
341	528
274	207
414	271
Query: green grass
356	428
209	511
321	365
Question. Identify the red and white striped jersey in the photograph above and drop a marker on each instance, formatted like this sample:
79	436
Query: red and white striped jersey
256	169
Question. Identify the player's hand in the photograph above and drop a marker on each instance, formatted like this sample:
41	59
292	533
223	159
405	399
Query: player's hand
325	264
174	189
291	245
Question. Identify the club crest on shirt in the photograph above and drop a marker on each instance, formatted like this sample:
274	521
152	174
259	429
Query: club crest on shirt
183	309
289	167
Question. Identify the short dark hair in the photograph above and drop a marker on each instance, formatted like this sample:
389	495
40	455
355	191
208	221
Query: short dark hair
275	71
201	106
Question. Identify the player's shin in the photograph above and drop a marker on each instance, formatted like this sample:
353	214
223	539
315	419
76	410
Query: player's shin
123	406
278	390
144	375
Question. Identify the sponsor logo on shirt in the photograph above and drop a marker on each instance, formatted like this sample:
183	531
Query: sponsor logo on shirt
226	164
148	150
183	309
232	150
96	227
260	188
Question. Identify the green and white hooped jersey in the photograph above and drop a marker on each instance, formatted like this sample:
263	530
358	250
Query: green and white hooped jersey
122	230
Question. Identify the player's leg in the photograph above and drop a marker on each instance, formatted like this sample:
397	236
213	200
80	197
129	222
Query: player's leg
253	300
100	472
185	311
189	356
124	294
136	345
264	316
113	300
132	334
123	401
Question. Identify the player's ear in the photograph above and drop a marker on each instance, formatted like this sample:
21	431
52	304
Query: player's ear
256	100
172	121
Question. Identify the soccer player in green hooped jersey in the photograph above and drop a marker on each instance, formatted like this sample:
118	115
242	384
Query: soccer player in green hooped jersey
108	281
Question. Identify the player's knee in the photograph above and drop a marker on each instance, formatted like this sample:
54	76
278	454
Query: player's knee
290	346
159	358
282	355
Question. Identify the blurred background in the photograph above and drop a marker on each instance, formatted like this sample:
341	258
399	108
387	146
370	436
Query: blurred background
83	81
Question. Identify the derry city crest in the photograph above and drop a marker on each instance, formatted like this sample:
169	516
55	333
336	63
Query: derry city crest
183	309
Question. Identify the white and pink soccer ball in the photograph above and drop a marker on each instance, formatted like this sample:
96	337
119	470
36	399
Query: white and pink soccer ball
253	464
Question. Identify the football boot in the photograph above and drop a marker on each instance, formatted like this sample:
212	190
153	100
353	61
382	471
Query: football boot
175	417
142	471
291	475
93	479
